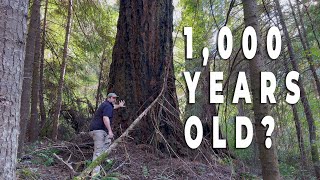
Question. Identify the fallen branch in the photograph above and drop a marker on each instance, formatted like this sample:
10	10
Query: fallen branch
66	163
104	155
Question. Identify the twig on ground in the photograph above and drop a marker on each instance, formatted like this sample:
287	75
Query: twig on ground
66	163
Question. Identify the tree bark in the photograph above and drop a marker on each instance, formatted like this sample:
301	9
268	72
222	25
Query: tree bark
268	157
303	97
207	110
27	77
33	128
142	51
306	46
41	78
13	26
57	106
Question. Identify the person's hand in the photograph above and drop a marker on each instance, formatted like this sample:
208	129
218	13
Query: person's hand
121	103
110	134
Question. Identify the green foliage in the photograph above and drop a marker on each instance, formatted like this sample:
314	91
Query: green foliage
287	170
91	41
44	157
110	176
115	176
48	160
27	173
162	177
87	163
66	131
315	52
108	164
47	156
145	171
248	176
246	155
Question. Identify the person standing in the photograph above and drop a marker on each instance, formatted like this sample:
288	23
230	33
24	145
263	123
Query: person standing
100	126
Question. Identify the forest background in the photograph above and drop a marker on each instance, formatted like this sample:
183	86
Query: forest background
78	51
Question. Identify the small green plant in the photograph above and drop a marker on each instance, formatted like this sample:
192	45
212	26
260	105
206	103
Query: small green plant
247	176
145	171
26	173
45	157
87	163
162	177
112	176
287	170
229	162
108	164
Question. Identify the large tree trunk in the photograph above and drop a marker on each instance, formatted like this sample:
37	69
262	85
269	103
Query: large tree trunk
268	157
305	44
142	51
41	78
57	106
303	97
13	26
33	127
28	69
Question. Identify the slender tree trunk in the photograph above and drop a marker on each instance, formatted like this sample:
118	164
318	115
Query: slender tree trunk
27	77
98	96
57	106
33	128
303	97
142	51
13	26
268	157
300	139
41	78
305	44
303	157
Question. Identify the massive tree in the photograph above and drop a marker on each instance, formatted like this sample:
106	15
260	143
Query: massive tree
268	157
13	26
143	51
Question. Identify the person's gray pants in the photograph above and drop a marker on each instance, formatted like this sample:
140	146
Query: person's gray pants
101	144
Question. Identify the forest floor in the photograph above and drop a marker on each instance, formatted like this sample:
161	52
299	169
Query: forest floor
127	161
